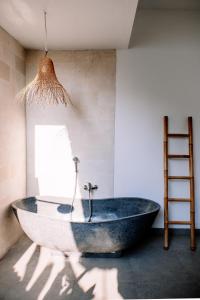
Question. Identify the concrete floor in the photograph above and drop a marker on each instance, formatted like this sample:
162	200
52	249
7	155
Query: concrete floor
30	272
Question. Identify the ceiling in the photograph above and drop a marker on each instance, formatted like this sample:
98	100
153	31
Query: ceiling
170	4
71	24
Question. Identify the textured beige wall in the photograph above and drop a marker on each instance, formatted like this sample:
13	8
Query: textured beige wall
12	137
57	133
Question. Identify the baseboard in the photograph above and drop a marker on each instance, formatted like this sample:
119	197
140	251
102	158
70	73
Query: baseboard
174	231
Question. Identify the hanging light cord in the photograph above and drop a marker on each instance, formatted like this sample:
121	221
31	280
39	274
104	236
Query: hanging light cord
45	28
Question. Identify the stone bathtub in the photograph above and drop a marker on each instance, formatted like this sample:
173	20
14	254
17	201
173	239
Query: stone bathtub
116	223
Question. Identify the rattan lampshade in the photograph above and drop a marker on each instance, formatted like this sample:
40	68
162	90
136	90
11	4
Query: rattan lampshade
46	88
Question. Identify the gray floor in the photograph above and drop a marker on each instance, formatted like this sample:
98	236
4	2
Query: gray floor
30	272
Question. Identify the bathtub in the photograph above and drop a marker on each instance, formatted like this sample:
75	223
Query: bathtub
116	224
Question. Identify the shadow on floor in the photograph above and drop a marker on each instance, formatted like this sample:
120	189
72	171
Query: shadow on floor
147	271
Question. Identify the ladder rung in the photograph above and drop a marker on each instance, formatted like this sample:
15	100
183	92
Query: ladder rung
178	135
179	199
179	222
178	156
180	177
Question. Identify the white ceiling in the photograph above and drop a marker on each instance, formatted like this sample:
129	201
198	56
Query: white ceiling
72	24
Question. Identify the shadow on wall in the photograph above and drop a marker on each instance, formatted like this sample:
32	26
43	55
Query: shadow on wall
53	148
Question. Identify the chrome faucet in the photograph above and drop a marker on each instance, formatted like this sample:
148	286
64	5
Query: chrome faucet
90	188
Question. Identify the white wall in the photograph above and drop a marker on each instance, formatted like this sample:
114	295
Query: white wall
159	76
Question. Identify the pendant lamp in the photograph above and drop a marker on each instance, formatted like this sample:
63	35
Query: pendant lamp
45	88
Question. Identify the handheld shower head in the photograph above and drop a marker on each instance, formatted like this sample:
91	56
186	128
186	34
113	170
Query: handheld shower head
76	161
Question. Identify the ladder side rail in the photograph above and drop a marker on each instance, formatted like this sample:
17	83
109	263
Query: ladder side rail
166	231
192	192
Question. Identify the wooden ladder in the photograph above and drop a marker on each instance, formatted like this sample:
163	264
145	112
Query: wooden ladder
191	200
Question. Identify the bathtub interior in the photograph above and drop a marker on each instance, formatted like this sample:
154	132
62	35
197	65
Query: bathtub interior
103	209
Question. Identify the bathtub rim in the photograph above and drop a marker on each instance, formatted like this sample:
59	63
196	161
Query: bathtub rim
157	209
